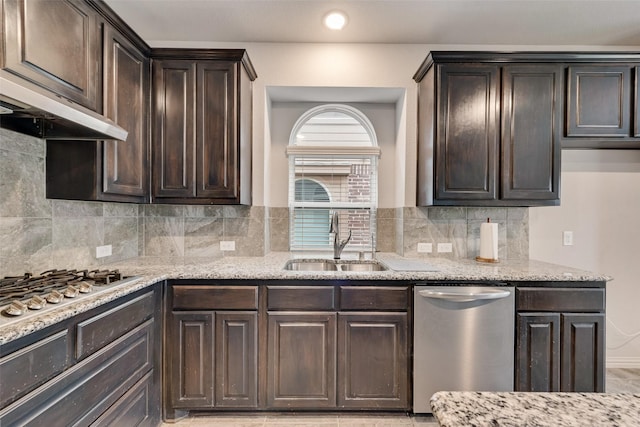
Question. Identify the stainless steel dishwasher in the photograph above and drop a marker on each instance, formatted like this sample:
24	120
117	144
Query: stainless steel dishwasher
463	340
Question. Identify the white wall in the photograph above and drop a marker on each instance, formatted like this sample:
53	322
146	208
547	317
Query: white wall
601	205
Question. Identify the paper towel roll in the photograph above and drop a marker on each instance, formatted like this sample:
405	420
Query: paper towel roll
488	242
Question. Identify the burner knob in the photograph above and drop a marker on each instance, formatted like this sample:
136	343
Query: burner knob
85	287
54	297
16	308
36	303
70	292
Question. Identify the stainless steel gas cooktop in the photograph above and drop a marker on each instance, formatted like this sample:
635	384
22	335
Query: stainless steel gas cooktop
28	295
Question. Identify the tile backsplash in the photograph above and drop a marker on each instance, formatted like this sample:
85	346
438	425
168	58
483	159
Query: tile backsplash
37	233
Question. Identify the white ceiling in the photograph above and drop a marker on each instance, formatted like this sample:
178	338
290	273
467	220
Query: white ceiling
455	22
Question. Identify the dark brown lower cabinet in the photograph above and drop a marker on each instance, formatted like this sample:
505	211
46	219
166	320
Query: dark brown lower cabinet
372	365
582	354
318	346
104	368
352	355
538	352
301	360
213	360
212	348
560	340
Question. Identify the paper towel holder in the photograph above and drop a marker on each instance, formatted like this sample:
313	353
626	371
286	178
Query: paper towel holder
493	255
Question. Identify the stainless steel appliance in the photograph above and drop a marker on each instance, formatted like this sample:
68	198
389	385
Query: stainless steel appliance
33	111
463	340
27	295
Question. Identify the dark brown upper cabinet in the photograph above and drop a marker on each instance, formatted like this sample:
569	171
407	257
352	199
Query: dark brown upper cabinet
467	126
601	109
110	170
126	91
56	45
202	126
530	141
488	131
599	101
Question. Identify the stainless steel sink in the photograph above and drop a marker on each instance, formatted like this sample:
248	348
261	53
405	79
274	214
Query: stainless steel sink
310	265
330	265
362	266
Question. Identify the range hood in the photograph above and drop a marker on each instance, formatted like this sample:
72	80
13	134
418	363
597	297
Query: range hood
37	113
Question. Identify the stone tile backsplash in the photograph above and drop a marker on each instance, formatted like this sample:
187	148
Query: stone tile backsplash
401	229
174	230
38	234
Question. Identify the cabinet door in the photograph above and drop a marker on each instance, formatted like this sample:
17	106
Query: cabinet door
191	359
126	84
372	361
599	101
583	346
236	378
531	95
55	45
538	350
173	137
301	360
216	134
467	132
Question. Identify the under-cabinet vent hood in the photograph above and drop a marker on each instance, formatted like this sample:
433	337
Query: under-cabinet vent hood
34	112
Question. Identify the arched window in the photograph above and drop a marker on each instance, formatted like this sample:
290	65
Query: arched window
333	167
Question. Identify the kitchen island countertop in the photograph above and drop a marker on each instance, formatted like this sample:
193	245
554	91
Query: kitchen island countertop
271	267
520	409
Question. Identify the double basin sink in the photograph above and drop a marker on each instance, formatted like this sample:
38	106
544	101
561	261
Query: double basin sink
333	265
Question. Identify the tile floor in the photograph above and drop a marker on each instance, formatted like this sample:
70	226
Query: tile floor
308	420
623	380
618	381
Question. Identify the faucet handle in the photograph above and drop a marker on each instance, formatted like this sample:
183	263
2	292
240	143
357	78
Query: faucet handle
344	242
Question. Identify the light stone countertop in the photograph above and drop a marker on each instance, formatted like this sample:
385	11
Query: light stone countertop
520	409
271	267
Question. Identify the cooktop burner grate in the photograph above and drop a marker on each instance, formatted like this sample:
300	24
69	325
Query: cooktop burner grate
29	292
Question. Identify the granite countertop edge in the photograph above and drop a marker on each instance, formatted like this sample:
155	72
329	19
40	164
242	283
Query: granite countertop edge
152	270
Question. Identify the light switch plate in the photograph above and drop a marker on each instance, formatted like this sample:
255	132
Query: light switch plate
227	245
445	247
567	238
103	251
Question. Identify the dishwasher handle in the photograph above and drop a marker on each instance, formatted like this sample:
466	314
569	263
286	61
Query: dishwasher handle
464	295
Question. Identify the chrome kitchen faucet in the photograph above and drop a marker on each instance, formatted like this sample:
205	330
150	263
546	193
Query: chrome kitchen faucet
338	246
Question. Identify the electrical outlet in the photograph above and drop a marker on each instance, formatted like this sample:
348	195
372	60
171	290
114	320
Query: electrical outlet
445	247
228	245
103	251
425	248
567	238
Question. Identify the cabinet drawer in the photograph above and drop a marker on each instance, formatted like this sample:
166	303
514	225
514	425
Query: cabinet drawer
98	331
561	299
89	388
374	298
135	407
27	368
301	298
191	297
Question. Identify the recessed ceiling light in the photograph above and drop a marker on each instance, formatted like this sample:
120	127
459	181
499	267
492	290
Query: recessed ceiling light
335	20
